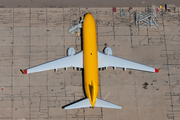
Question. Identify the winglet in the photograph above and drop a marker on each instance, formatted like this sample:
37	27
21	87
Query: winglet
157	70
23	71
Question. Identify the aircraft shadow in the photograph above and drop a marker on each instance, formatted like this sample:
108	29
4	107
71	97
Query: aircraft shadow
83	88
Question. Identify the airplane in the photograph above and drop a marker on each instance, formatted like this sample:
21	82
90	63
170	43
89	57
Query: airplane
90	59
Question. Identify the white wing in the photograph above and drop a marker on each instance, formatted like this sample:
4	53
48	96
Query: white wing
108	60
69	61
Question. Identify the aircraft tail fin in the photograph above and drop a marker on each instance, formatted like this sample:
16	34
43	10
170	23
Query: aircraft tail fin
105	104
79	104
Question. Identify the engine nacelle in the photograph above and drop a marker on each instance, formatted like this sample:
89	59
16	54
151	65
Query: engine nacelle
71	51
108	51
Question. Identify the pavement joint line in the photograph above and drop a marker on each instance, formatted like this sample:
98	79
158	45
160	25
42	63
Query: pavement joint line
168	69
47	56
12	68
29	63
64	55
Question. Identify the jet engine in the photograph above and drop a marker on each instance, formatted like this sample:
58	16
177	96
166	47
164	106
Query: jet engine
108	51
71	51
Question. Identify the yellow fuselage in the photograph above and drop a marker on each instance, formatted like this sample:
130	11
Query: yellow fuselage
91	78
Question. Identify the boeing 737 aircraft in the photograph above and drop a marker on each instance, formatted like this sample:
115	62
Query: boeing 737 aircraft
90	59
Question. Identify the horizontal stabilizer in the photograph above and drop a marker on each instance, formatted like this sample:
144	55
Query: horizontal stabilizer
80	104
105	104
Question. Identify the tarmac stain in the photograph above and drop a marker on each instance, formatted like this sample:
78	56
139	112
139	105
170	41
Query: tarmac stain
61	83
145	85
62	88
130	72
105	44
154	80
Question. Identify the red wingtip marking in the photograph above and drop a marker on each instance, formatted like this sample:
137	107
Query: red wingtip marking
25	71
157	70
114	9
